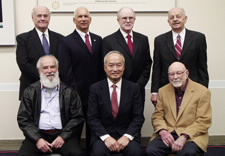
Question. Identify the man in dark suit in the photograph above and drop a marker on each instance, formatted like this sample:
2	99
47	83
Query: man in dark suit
115	120
80	57
138	61
50	113
193	52
30	47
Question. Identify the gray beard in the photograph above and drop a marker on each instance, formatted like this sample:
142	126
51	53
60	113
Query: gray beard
49	83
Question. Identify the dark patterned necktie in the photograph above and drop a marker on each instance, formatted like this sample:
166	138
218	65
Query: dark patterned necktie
178	46
87	41
130	44
45	44
114	102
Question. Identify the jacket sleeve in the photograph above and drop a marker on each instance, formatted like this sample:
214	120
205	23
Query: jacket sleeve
25	116
71	114
23	60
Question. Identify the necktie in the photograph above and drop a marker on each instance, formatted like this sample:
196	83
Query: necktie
114	102
178	46
45	44
87	41
130	44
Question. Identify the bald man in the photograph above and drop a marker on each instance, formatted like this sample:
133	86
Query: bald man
182	116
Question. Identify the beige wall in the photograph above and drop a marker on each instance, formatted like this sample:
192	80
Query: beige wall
203	15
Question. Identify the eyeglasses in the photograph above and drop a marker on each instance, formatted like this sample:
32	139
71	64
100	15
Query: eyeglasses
127	18
179	74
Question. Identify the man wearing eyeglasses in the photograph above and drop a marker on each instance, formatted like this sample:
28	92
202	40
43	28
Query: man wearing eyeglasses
134	47
182	116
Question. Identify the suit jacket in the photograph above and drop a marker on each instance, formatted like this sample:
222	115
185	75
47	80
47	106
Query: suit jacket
29	50
29	111
194	117
78	67
194	57
130	116
137	67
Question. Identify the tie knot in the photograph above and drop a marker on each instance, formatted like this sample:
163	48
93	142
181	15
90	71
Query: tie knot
129	36
114	86
178	36
86	35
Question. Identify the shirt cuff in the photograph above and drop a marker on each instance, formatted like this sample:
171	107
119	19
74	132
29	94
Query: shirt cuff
186	136
154	93
104	137
129	136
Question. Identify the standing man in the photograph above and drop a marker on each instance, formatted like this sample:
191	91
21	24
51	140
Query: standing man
49	114
134	47
182	116
33	44
179	44
80	57
115	111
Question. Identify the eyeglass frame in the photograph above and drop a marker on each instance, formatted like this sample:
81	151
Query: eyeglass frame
179	73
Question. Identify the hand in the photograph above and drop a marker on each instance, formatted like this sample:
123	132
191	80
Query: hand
43	145
154	99
58	142
167	138
122	143
111	143
179	143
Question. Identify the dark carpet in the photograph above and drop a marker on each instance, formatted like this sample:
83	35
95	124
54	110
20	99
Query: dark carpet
212	151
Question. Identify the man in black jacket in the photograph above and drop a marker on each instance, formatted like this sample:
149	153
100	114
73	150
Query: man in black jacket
50	114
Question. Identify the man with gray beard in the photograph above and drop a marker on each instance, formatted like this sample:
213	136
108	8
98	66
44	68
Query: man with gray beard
50	114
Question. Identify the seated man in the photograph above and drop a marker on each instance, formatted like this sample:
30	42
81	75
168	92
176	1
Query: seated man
49	114
115	111
182	116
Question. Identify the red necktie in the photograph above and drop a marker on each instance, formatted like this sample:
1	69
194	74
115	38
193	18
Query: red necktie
114	101
87	41
178	46
130	44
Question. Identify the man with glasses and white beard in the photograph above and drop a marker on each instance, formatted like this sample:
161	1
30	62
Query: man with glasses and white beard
182	116
49	114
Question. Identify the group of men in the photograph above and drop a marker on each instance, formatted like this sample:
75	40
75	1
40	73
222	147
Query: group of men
82	77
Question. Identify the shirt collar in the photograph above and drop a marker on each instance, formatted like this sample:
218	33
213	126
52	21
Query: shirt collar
82	34
125	34
40	33
118	84
56	88
182	34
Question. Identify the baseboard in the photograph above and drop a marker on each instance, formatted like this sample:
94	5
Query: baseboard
15	144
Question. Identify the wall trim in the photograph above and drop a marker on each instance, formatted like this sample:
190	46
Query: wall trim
7	87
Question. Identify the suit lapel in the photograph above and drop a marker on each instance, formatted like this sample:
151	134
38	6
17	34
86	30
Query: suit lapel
53	43
123	97
93	42
122	42
80	42
136	42
37	43
189	92
106	97
170	43
172	101
187	42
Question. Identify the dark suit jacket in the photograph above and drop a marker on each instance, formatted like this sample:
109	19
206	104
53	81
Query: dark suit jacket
78	67
29	50
130	117
137	67
194	57
29	111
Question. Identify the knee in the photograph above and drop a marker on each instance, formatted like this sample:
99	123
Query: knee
150	150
